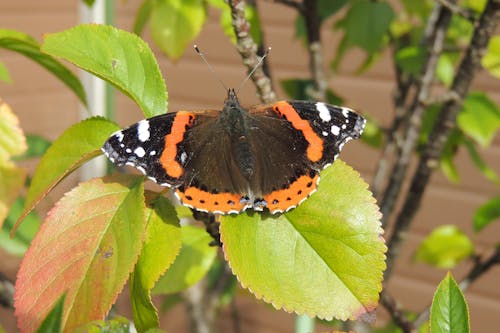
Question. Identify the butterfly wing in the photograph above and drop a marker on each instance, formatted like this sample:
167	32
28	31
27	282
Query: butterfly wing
300	138
154	145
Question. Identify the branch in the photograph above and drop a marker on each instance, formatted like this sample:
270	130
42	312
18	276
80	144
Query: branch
248	50
455	9
397	313
211	225
6	292
445	123
404	84
416	111
479	268
312	22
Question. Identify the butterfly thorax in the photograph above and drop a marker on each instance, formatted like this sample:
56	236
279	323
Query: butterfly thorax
235	120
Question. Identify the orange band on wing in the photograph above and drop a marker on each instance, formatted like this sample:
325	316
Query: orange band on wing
210	202
167	158
299	190
315	148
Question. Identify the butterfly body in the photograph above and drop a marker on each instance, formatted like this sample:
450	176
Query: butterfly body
263	157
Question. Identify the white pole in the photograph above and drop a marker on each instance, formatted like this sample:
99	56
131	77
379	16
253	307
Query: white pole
95	88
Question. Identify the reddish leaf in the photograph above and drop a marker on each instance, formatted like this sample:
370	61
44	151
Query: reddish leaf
86	248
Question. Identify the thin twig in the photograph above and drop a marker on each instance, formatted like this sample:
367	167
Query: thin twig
442	98
445	123
312	22
479	268
405	84
417	110
397	313
248	50
456	9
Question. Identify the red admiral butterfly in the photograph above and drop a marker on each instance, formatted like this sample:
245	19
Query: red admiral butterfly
266	157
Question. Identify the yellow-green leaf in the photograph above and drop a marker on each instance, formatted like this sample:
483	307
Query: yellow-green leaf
192	263
445	247
324	258
491	60
161	246
176	23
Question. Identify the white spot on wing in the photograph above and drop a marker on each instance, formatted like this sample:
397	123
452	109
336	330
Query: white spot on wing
143	130
324	133
335	130
119	136
152	152
140	152
128	150
346	111
183	157
323	111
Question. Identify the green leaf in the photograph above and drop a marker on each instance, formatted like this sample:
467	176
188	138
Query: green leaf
26	45
326	8
365	26
449	312
446	161
479	118
89	243
18	244
12	139
4	74
75	146
89	3
53	322
410	59
142	17
488	172
12	143
445	247
445	70
373	134
491	60
117	56
251	14
192	263
116	325
460	31
37	146
161	246
300	89
11	182
476	5
324	258
487	213
176	23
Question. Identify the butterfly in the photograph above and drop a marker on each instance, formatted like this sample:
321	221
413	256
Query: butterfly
266	157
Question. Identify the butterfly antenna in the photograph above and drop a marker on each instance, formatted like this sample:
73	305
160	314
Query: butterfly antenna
210	67
261	60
